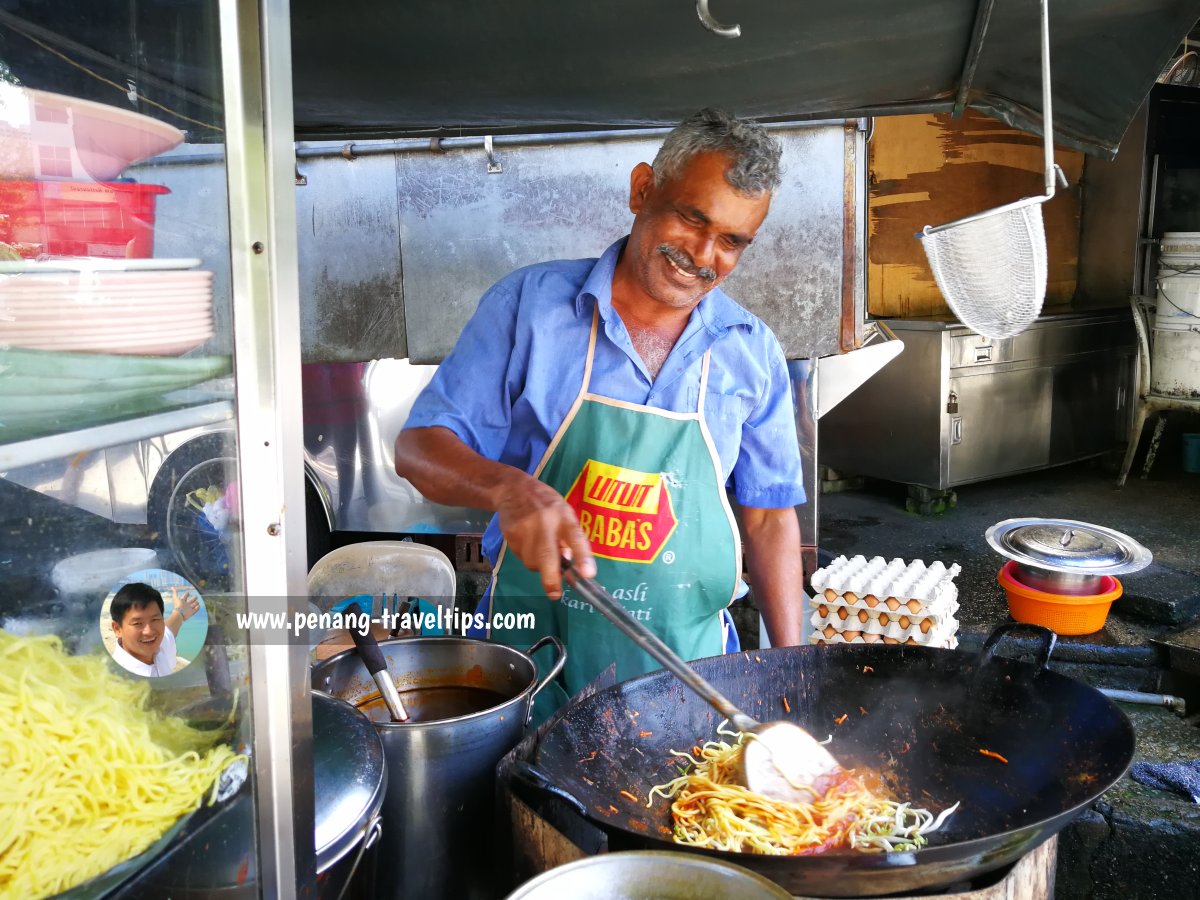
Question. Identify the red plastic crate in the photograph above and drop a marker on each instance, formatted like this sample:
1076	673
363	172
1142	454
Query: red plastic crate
73	218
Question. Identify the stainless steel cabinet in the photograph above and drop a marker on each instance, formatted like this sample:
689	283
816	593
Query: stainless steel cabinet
956	407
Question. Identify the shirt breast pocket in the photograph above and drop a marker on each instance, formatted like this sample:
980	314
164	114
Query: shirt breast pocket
727	407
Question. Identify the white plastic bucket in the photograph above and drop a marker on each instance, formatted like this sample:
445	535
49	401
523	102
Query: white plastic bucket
1175	359
1179	275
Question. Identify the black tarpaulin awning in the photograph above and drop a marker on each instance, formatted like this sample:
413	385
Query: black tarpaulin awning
404	67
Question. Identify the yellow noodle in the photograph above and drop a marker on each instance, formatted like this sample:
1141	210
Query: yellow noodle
89	777
711	809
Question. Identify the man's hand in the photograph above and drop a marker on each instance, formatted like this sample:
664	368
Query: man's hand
183	606
541	529
535	520
186	604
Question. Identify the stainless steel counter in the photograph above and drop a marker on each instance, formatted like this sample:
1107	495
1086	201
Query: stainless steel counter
956	407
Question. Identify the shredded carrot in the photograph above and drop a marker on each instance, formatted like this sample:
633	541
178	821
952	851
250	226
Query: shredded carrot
613	808
645	734
629	795
786	707
590	757
862	711
842	718
994	755
868	669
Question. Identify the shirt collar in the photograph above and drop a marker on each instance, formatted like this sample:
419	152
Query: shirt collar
717	310
130	662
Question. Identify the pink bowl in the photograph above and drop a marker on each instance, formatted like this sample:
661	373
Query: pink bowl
53	137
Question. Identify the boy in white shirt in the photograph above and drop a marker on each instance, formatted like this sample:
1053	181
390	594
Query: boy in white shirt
145	639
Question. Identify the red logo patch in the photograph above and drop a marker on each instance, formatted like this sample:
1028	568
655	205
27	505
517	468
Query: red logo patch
626	514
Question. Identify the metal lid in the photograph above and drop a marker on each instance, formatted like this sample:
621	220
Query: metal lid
1064	545
348	776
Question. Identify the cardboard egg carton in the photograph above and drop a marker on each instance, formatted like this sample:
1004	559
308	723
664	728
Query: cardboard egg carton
870	601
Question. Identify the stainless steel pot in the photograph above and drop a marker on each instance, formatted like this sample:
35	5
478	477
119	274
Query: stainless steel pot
649	875
219	861
1067	583
438	812
1064	556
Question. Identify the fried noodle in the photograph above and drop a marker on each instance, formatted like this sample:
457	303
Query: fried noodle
712	810
89	777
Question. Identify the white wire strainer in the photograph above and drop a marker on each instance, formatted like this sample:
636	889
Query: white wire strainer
991	267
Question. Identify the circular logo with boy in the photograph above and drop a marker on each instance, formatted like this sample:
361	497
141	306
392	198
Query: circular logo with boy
153	623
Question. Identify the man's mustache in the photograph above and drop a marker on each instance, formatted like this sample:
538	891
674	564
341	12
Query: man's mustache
686	263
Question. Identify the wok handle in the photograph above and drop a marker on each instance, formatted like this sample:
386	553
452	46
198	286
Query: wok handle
1048	638
554	669
533	777
647	640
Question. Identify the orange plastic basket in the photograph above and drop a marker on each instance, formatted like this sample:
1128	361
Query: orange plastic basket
1063	613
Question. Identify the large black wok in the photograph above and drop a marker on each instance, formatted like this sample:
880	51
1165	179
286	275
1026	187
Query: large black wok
918	716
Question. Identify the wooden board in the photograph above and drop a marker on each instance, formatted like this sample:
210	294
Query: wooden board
932	169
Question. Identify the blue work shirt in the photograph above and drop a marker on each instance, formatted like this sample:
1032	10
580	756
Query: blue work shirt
511	379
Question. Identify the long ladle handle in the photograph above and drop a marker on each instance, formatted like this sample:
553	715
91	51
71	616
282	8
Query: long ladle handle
647	640
372	657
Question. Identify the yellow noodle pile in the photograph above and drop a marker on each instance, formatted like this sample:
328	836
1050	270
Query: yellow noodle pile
710	808
88	776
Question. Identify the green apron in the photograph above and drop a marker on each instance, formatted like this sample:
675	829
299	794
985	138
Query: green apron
646	486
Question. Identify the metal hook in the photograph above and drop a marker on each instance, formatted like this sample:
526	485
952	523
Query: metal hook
493	165
707	20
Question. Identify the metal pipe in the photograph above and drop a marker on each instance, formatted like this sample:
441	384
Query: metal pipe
351	151
1047	120
1171	702
983	15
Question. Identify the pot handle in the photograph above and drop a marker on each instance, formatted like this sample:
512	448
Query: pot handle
531	776
1048	638
554	669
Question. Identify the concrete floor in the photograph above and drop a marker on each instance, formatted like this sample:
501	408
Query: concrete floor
1163	513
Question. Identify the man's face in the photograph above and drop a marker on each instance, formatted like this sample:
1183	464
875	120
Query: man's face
689	233
141	632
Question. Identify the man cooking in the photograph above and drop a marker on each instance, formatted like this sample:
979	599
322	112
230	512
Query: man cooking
600	408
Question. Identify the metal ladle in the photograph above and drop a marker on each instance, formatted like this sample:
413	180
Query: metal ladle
782	760
373	659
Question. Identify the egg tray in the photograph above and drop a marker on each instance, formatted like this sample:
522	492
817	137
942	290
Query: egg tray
862	639
899	628
894	584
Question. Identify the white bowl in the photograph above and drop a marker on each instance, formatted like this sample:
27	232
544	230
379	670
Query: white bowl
100	570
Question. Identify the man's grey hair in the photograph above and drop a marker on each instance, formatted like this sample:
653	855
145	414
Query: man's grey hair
753	153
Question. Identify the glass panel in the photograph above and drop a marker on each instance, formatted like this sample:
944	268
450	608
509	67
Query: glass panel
120	555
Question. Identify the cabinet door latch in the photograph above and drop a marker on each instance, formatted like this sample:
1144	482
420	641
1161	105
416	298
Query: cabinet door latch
952	403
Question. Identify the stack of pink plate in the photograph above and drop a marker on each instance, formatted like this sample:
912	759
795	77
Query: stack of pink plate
149	307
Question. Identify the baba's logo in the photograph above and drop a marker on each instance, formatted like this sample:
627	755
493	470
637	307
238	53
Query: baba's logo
626	514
